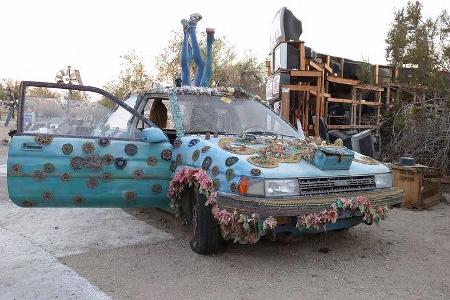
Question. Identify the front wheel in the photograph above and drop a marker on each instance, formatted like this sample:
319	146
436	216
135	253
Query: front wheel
206	236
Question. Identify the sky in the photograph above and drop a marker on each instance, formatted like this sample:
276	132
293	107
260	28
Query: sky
41	37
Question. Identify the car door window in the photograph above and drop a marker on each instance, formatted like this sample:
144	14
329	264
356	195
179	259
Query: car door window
159	112
74	113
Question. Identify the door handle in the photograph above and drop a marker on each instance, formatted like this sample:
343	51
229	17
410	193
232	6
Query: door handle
31	147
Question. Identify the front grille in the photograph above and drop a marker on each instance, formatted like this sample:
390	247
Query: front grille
335	185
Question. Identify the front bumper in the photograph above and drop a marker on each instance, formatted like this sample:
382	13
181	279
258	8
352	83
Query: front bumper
296	206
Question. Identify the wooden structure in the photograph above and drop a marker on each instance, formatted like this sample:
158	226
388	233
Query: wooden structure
422	185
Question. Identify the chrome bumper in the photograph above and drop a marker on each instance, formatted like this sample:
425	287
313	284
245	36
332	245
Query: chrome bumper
295	206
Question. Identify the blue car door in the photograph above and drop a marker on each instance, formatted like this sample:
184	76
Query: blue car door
79	146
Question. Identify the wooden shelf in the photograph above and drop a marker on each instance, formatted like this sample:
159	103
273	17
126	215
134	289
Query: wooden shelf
306	74
302	88
341	80
342	100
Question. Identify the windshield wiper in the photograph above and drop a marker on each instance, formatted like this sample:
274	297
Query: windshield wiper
261	132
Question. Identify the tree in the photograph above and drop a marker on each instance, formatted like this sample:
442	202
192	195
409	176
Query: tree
42	92
227	68
420	42
133	77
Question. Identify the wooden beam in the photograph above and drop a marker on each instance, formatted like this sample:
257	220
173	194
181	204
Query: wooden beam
318	108
328	68
321	94
342	80
342	67
285	99
306	74
369	87
342	100
377	73
302	55
369	103
315	66
302	88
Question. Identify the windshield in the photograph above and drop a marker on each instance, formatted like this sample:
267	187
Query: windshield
201	113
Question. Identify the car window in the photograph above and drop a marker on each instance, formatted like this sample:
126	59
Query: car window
74	113
159	112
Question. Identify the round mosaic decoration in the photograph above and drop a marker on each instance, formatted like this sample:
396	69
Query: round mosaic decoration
177	143
151	161
138	173
205	149
107	159
229	174
166	154
233	187
263	161
131	149
16	169
92	183
47	196
77	200
206	163
156	188
173	166
65	177
216	184
255	172
193	142
195	155
38	175
88	147
120	163
77	162
49	168
43	139
103	142
106	177
67	149
231	161
129	196
215	170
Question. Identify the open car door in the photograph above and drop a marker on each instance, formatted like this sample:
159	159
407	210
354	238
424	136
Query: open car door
79	146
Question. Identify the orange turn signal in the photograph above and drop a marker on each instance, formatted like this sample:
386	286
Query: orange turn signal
243	185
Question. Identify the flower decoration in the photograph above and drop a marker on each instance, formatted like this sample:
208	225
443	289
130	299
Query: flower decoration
131	149
166	154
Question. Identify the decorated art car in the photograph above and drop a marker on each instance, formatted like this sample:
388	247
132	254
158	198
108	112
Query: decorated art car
222	161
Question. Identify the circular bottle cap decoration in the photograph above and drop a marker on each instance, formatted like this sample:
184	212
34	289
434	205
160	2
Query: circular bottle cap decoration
233	187
43	139
193	142
151	161
47	196
49	168
131	149
38	175
179	159
205	149
138	173
120	163
103	142
67	149
77	200
77	162
229	174
173	166
195	155
16	169
106	177
156	188
94	162
65	177
88	147
255	172
177	143
129	196
206	163
231	161
92	183
107	159
216	184
215	170
166	154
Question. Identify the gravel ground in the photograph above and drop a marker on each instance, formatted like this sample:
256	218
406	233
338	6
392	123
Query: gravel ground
407	256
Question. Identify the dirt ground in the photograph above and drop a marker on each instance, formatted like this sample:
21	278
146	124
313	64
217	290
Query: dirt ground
407	257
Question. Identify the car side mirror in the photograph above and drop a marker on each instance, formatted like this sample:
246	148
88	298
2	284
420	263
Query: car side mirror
154	135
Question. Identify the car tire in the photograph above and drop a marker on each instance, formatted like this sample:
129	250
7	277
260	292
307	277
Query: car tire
206	236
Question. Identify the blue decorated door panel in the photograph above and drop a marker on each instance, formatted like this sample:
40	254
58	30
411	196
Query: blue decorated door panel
81	147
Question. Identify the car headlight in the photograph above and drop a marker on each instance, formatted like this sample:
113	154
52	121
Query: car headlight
383	180
268	187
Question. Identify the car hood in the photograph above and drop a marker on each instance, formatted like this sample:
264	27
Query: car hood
224	159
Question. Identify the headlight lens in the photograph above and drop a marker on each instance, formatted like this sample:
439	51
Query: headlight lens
383	180
281	187
268	187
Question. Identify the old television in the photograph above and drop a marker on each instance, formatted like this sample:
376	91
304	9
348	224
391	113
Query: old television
285	27
274	83
362	142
